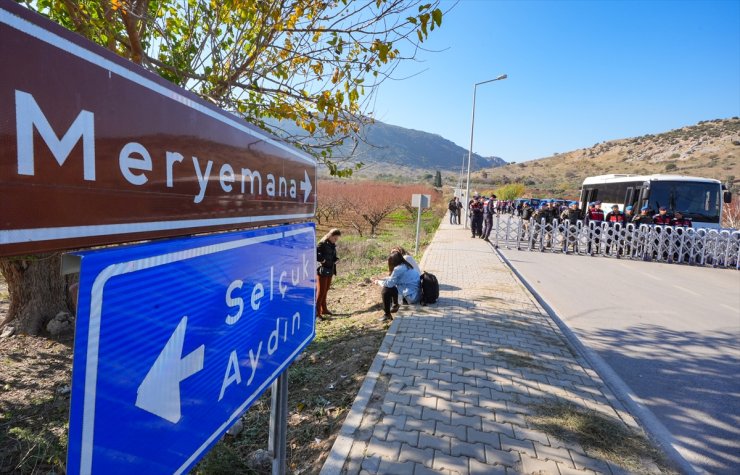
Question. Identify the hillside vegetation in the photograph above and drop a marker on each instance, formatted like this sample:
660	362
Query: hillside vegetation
708	149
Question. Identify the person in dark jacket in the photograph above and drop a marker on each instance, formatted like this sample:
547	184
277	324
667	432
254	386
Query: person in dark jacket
594	215
453	211
662	218
629	215
526	215
680	221
489	210
326	255
613	218
542	217
476	214
644	217
569	218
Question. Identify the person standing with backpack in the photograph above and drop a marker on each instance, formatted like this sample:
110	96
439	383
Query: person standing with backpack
326	255
403	280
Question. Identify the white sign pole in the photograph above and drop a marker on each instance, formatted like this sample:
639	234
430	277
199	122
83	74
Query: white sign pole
418	226
420	201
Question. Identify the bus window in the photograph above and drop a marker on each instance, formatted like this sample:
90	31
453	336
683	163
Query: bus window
629	197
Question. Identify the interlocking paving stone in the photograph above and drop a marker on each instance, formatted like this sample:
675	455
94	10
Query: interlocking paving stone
556	454
443	461
462	377
411	453
540	467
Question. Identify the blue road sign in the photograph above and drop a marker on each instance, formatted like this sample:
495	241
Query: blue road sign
176	339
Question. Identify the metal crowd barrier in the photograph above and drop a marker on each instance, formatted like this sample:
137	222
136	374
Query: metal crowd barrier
670	244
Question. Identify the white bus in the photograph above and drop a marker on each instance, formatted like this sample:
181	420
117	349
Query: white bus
697	198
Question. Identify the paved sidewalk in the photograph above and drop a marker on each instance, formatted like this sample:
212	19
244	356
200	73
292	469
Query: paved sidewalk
453	384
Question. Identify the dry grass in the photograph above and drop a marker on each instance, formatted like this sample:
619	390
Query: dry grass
601	437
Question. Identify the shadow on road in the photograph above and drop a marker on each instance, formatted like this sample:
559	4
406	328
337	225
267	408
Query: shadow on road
704	387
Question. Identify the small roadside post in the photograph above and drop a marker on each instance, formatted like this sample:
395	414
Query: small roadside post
419	201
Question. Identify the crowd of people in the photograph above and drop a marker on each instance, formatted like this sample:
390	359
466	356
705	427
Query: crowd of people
480	211
550	211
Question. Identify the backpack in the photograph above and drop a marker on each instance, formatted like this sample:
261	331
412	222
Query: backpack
429	288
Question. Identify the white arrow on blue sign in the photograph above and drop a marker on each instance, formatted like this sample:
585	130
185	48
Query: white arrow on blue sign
176	339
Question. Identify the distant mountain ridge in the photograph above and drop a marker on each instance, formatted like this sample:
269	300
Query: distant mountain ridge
416	149
406	148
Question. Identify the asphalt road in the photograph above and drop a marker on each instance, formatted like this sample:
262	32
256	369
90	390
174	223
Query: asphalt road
670	332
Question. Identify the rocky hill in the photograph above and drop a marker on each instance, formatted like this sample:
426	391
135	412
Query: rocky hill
416	149
410	153
708	149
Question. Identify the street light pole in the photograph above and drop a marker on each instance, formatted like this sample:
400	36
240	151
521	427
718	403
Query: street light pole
470	151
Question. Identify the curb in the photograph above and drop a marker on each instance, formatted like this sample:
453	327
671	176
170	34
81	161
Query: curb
653	427
343	444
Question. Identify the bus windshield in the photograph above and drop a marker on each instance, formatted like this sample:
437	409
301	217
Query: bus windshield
696	200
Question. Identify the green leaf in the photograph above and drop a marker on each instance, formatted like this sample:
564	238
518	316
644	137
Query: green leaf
437	16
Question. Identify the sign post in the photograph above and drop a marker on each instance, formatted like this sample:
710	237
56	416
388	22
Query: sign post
419	201
103	151
177	338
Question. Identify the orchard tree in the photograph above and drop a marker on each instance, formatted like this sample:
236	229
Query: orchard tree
373	202
313	63
510	192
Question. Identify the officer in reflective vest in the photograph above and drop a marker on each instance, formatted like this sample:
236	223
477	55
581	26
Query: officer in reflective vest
595	215
662	218
614	217
679	220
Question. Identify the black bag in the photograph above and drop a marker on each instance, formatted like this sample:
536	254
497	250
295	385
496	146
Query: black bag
429	288
324	271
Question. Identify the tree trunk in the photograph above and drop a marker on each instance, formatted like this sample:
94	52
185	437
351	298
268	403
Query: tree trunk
37	291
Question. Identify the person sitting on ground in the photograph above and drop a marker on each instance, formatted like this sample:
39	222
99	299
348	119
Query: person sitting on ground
403	280
408	257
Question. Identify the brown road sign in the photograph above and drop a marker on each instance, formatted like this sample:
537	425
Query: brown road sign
95	150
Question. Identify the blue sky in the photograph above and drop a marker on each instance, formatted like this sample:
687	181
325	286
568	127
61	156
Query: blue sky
580	72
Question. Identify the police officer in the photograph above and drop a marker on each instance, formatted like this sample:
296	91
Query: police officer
614	217
629	218
594	215
569	217
679	220
629	214
541	218
526	215
489	209
644	217
662	218
476	223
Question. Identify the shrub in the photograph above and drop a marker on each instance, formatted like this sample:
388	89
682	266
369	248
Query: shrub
670	166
